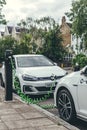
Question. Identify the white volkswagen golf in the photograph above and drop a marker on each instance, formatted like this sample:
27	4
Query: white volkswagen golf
36	74
70	96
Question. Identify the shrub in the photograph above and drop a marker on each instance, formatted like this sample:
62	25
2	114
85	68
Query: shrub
81	59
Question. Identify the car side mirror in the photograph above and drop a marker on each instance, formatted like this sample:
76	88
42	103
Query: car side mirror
55	63
84	72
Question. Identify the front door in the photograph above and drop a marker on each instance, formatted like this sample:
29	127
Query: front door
82	95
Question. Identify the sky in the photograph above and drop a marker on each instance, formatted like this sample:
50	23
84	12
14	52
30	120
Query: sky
15	10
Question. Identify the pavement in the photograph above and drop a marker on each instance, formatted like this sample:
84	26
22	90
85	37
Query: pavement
17	115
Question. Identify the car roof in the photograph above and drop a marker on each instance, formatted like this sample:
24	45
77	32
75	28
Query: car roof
24	55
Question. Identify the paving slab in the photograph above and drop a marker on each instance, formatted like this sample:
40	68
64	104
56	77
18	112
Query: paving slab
24	108
52	127
41	122
7	111
11	117
28	128
32	115
18	124
3	126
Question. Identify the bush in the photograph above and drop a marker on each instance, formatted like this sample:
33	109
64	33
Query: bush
81	59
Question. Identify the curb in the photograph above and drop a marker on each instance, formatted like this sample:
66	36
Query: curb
51	116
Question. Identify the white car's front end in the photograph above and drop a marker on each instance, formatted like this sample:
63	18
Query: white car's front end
69	82
39	80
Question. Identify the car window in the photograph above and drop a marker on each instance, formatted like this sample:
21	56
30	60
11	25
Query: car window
33	61
85	70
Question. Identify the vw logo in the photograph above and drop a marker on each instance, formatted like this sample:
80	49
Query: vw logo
52	77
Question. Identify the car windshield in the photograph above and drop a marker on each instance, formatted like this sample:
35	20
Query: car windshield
33	61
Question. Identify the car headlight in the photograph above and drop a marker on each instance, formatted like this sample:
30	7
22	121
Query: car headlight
29	78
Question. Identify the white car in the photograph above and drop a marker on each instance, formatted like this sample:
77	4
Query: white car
70	96
36	74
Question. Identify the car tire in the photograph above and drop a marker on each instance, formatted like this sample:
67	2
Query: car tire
66	106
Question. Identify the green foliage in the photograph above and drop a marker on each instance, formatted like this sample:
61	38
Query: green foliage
2	2
81	59
6	43
78	17
24	47
2	20
52	46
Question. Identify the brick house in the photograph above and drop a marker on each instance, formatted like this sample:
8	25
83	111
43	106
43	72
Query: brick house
69	41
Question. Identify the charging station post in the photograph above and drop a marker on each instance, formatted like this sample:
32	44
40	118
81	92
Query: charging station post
8	76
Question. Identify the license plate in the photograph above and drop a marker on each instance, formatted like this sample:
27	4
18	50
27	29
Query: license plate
49	84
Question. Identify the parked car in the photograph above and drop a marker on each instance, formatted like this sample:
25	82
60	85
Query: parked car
70	96
35	74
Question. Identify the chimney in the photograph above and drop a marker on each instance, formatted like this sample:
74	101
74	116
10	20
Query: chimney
63	20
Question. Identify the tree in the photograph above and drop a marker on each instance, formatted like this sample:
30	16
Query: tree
26	45
2	20
49	32
7	43
78	17
52	46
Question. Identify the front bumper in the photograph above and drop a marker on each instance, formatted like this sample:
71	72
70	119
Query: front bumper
38	88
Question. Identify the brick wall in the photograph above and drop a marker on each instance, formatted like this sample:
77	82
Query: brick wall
66	32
